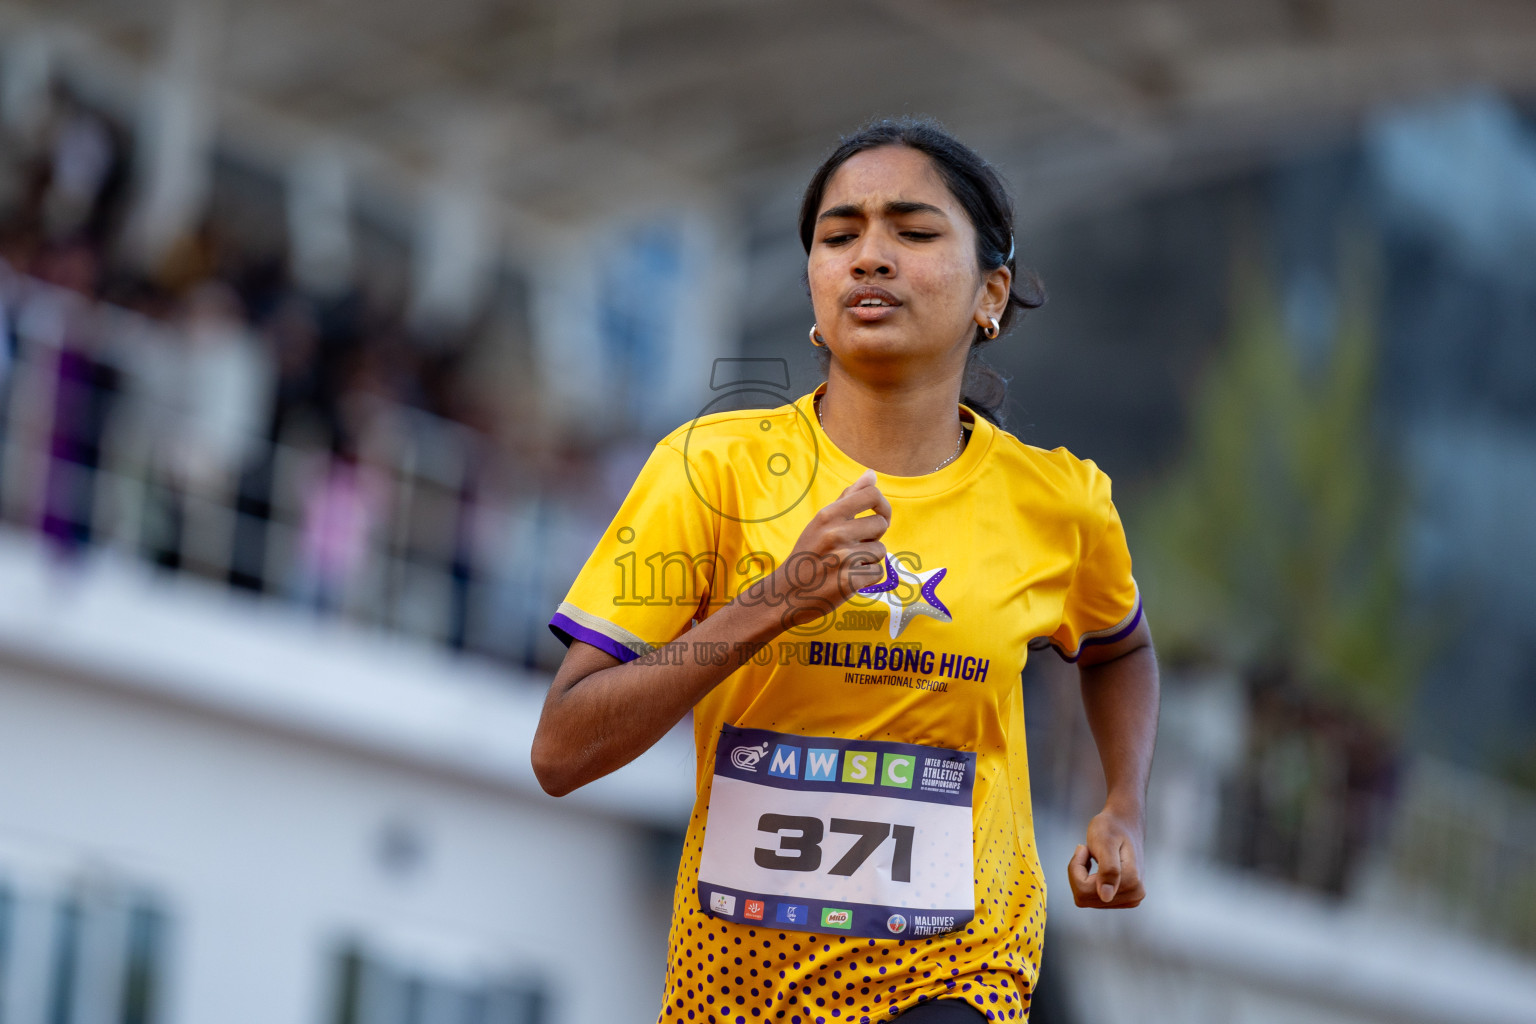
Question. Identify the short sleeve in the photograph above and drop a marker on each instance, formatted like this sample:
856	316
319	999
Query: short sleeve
1103	603
650	573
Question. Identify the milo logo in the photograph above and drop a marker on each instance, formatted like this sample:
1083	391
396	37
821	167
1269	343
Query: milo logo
832	918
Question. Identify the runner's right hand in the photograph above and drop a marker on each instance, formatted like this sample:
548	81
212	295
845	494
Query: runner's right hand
838	552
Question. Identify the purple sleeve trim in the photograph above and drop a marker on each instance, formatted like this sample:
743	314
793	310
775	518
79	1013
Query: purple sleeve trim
567	629
1115	637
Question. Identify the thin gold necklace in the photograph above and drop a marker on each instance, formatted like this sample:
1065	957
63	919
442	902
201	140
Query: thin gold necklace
959	441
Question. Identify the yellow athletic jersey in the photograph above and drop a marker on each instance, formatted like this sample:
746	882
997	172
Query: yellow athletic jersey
1007	544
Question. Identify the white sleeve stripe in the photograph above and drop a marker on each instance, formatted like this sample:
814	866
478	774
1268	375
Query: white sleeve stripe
617	634
1094	635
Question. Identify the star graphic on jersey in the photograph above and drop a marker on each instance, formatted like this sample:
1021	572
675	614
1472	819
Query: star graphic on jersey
927	602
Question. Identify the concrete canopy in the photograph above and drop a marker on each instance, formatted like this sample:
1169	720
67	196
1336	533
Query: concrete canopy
570	103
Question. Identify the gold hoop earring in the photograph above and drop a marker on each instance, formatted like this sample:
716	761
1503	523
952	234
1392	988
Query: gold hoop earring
993	331
814	336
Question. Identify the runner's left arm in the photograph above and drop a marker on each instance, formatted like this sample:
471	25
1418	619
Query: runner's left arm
1120	696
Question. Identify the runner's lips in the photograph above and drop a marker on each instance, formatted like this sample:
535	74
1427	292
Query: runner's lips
866	292
870	313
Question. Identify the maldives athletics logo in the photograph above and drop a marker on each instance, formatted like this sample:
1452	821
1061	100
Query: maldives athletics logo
926	601
896	924
747	758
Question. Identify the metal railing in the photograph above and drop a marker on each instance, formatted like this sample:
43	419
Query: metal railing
403	534
1431	841
1463	851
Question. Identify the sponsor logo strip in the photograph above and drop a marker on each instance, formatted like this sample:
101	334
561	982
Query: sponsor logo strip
855	919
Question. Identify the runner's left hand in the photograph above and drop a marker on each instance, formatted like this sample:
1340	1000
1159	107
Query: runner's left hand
1114	844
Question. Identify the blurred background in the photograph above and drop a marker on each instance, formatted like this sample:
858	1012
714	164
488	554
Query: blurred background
333	333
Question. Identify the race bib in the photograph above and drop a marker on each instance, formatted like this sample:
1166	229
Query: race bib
856	837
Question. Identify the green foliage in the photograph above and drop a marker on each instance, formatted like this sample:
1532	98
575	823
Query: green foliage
1275	547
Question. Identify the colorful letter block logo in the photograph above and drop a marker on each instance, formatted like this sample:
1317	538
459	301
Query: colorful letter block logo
786	762
859	766
896	770
820	765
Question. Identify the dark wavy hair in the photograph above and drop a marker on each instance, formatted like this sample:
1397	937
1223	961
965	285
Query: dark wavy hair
981	193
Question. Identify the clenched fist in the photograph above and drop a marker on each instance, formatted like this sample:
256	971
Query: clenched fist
1114	844
838	552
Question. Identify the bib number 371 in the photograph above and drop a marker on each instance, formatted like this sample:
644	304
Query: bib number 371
805	837
822	834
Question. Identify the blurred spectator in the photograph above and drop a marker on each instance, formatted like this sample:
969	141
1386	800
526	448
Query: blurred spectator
209	388
228	389
10	295
85	160
342	503
293	336
210	415
83	386
1314	791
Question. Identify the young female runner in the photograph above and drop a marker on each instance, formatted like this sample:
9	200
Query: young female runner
843	591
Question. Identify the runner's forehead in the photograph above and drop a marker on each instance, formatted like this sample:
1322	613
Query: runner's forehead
892	179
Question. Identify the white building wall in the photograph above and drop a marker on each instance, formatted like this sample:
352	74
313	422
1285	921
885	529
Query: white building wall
244	762
260	824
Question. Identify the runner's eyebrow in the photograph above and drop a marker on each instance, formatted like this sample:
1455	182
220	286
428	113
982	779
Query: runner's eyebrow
894	208
843	210
900	206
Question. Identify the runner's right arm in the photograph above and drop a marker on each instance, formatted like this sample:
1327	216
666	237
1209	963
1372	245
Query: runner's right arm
602	713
